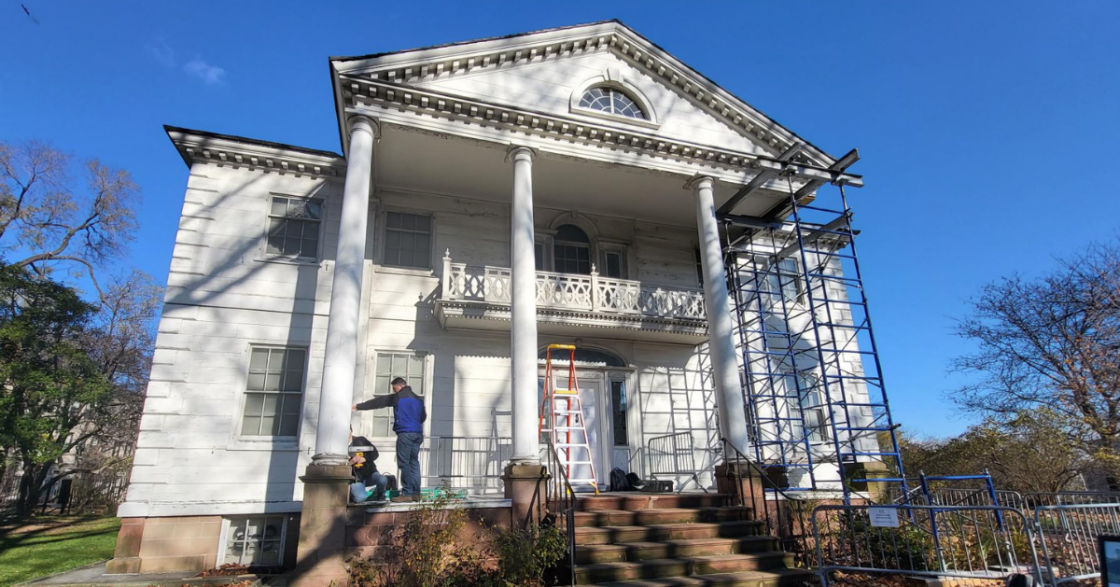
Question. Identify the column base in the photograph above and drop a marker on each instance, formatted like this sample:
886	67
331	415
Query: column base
737	478
526	486
322	528
872	470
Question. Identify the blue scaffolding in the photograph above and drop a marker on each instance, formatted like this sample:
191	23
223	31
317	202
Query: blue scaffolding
810	369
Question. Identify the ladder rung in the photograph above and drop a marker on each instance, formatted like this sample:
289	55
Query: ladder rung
565	392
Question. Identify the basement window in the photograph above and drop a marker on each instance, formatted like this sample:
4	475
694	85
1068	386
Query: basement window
254	541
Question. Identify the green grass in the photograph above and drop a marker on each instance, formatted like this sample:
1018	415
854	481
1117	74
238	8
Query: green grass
54	544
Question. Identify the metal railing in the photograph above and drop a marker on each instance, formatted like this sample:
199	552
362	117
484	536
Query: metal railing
783	514
565	291
560	503
470	463
1068	535
978	542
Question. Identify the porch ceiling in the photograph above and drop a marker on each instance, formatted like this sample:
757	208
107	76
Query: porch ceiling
411	159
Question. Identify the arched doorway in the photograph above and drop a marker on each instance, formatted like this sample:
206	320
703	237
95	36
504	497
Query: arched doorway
604	383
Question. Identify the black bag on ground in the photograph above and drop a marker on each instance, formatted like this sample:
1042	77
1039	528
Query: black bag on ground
619	482
635	481
391	483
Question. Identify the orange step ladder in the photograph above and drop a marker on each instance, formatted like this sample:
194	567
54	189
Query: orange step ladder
567	429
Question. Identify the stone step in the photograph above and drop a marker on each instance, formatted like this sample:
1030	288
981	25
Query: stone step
662	532
640	551
645	501
660	516
774	578
699	565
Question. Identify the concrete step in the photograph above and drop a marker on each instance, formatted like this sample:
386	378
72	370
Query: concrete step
640	551
775	578
645	501
660	516
662	532
662	568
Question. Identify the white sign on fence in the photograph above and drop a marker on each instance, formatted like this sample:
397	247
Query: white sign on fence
883	517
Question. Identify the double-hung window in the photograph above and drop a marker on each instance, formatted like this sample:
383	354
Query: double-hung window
390	365
803	390
613	264
274	392
785	278
571	251
293	227
408	240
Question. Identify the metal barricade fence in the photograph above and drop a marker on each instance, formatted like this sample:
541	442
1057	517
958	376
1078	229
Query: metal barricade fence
978	542
673	455
470	463
1068	536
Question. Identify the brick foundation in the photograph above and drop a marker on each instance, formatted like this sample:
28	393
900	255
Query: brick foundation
178	544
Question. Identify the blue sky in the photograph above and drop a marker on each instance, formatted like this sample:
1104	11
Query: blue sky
988	129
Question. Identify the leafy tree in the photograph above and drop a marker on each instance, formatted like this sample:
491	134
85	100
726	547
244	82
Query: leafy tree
1052	344
45	220
73	374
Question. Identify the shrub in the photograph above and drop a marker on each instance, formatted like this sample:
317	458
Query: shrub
426	551
525	556
431	549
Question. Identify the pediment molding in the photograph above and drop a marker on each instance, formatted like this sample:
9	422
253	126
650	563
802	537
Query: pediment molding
366	94
424	65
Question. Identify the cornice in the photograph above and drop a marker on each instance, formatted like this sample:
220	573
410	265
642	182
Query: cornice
431	64
500	312
366	93
225	150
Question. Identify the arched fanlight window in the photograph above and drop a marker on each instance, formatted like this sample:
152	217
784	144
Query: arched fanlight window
571	250
611	101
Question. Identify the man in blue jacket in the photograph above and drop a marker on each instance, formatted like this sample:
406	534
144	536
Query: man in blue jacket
408	422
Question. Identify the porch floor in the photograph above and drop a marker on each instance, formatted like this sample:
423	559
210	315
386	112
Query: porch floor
471	501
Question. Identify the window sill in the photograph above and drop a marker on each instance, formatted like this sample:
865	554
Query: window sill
617	118
417	272
264	444
289	261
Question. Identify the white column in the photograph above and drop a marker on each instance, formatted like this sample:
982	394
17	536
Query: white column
523	331
337	394
721	347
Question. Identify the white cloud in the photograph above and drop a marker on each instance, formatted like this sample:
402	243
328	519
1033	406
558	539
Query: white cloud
161	52
212	75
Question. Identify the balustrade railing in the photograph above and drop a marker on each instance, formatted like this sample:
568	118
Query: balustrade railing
563	291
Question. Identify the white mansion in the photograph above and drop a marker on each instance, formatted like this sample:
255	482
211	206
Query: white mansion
495	196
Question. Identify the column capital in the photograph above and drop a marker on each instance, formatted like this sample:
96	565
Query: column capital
520	153
699	181
363	122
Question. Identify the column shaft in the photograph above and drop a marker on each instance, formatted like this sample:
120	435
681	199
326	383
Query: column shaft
523	332
337	394
721	347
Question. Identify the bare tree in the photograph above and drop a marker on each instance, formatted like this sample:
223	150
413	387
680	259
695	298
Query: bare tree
1029	453
45	220
1053	343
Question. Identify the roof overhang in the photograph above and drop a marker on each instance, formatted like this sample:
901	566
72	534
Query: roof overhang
197	146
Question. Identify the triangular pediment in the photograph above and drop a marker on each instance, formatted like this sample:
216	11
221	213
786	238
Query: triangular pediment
547	72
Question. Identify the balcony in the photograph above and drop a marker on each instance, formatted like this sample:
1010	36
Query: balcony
478	297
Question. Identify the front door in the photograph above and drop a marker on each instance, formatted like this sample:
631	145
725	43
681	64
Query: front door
590	386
